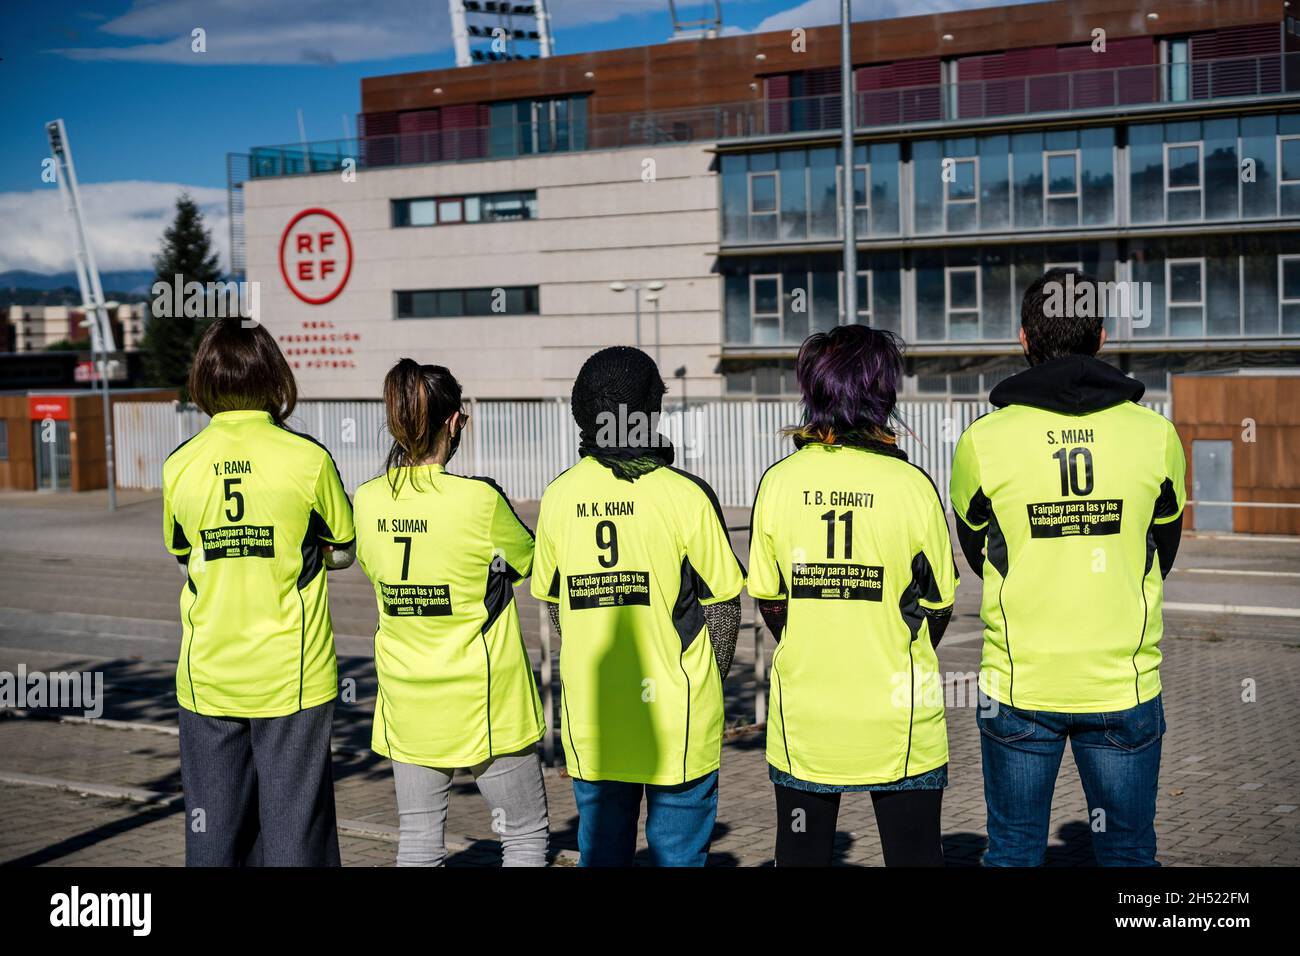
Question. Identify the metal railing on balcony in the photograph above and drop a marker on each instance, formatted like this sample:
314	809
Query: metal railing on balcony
1276	75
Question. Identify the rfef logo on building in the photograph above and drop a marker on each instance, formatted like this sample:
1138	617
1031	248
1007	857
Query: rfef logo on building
315	256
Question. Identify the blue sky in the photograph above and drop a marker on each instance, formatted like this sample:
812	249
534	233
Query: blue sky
146	116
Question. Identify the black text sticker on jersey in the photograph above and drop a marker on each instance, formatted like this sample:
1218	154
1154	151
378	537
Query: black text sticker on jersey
838	582
608	589
1064	519
415	600
238	541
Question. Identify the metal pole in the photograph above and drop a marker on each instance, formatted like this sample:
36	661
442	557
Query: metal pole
657	330
848	119
110	465
636	295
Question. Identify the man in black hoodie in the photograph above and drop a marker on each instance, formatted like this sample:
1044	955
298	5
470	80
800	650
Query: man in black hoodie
1069	500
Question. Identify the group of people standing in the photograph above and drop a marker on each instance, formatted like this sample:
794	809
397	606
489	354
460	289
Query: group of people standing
1067	502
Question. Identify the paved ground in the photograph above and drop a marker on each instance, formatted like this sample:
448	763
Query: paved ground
83	590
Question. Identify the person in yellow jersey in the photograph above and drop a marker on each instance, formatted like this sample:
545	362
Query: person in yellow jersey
634	557
852	566
254	513
1069	501
456	686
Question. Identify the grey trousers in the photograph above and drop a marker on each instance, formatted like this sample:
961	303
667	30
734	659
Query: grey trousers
513	787
259	791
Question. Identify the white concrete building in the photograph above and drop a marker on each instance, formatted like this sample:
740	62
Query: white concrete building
599	217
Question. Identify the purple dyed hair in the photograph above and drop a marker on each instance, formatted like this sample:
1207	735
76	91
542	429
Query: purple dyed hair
849	379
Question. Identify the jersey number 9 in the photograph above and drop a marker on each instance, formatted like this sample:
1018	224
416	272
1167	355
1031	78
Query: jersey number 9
607	541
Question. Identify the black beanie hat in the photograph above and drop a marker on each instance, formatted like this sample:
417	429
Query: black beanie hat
619	375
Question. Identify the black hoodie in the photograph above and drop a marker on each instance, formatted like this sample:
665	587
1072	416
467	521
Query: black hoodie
1072	385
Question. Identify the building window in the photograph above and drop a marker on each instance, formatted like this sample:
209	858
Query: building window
861	196
864	297
1177	67
4	439
1288	148
1183	192
962	301
765	296
1185	296
1289	293
764	193
449	210
466	303
1061	187
960	197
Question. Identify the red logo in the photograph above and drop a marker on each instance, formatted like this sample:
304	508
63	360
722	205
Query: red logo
315	256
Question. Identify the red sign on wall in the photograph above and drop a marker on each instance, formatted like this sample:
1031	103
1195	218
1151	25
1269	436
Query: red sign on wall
315	256
41	407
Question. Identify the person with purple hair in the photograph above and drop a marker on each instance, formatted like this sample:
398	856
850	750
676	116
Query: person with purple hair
853	569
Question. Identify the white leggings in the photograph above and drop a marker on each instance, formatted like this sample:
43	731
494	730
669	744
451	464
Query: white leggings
513	787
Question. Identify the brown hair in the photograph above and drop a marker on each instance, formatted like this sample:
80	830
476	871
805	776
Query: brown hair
419	400
241	369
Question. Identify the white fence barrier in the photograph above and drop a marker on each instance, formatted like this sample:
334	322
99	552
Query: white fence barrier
523	445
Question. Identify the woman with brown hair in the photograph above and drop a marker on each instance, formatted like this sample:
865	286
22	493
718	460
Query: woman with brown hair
254	513
456	687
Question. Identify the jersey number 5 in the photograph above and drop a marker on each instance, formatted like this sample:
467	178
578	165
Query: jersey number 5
235	496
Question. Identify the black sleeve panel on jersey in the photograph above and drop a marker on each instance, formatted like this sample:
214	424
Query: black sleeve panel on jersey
972	545
774	615
1167	537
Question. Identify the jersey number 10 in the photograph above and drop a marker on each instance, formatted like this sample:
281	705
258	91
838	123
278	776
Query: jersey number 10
1069	460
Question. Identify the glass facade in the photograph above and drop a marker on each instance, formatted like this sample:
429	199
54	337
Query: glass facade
463	303
792	195
452	210
1049	182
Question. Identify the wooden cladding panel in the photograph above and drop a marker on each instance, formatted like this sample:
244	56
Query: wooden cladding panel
708	72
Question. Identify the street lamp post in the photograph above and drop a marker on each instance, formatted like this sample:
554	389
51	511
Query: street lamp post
848	119
654	297
636	288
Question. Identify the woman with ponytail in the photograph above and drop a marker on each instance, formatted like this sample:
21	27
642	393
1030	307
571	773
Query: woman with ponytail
852	566
456	688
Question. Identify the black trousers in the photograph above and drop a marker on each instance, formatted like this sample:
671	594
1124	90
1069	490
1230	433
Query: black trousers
259	791
908	821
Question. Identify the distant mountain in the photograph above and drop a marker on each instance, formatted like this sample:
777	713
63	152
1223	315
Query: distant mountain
135	281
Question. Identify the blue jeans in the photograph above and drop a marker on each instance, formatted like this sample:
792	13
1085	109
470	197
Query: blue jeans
1118	755
678	824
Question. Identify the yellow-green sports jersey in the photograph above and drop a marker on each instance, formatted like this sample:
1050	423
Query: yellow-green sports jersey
247	504
856	541
455	684
632	564
1067	479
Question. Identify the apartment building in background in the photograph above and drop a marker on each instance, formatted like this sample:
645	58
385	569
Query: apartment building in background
507	219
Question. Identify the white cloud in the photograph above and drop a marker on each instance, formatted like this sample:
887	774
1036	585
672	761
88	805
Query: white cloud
307	31
124	220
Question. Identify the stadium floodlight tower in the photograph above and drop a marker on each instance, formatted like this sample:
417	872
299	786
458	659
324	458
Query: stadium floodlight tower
102	345
497	23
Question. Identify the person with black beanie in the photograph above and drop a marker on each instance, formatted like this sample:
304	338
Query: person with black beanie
634	559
